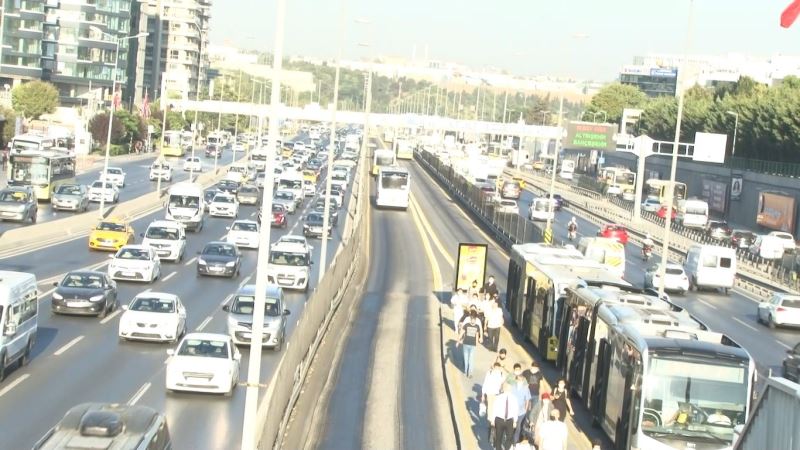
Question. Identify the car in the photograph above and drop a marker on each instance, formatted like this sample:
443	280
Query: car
337	196
675	279
167	238
135	263
538	165
295	239
334	201
339	179
153	316
84	292
160	170
18	203
243	233
287	199
223	205
780	310
309	188
208	196
219	259
238	147
70	197
193	164
333	217
100	190
111	234
560	202
213	151
791	365
507	207
248	194
651	205
629	195
662	212
742	238
279	218
114	175
203	362
261	178
228	186
718	229
618	232
240	316
511	190
788	240
313	223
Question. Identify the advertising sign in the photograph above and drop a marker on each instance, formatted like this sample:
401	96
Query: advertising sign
710	147
776	211
715	193
471	264
666	72
589	135
736	187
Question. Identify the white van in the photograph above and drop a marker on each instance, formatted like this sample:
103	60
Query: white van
167	238
541	209
237	173
186	204
289	265
692	213
607	251
19	318
710	266
768	246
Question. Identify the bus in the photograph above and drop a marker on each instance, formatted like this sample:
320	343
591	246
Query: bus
382	158
31	142
655	377
394	186
257	160
567	171
538	275
218	138
172	144
43	170
618	180
658	189
404	148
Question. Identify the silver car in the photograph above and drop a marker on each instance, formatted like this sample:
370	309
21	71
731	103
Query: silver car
285	198
18	203
71	197
240	316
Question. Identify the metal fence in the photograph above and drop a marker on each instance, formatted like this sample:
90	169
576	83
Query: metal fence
782	169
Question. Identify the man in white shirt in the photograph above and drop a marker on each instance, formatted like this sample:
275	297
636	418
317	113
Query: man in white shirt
492	384
552	435
504	415
458	302
494	322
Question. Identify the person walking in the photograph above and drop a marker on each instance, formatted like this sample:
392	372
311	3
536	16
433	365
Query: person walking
501	359
494	321
535	384
523	396
474	289
471	334
561	401
539	415
552	434
504	416
490	287
492	383
458	302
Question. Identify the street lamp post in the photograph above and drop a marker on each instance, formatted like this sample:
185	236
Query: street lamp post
548	228
196	96
544	115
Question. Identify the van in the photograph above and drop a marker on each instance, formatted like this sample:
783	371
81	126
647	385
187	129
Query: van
289	266
692	213
511	189
607	251
768	247
19	316
237	173
167	238
542	209
240	316
186	204
108	426
292	181
710	266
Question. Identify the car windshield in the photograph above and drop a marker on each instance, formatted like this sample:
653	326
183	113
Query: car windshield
314	218
153	304
114	171
290	184
223	199
13	197
133	254
244	226
184	201
100	185
209	195
244	304
83	280
204	347
219	250
674	271
69	189
162	233
111	226
276	208
284	196
248	190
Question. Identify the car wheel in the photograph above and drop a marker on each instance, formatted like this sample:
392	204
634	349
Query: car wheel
3	366
771	322
33	216
229	392
279	346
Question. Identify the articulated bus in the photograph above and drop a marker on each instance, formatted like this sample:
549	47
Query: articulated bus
172	144
43	170
394	186
658	189
538	275
618	180
652	376
404	148
382	158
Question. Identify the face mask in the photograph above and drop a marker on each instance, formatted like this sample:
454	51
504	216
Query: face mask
561	386
517	372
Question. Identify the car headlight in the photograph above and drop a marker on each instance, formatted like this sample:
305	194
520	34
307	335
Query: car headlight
96	298
57	296
230	264
201	261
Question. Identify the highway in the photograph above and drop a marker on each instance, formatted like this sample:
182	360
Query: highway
79	359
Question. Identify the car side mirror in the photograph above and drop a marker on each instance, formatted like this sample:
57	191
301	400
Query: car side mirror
286	312
111	256
171	352
226	308
311	263
228	228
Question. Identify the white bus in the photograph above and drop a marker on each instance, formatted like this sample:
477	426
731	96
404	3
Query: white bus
258	160
186	205
383	158
19	318
394	186
567	169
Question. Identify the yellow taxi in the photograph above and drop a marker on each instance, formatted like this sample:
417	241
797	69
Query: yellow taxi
538	165
111	234
310	175
286	152
520	181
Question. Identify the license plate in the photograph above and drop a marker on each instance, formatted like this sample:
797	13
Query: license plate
216	269
247	335
8	213
163	253
129	273
76	304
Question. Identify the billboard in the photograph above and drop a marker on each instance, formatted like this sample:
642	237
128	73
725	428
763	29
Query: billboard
715	193
776	211
589	135
710	147
666	72
471	264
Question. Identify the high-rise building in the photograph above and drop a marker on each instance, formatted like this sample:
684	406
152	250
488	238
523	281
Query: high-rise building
70	43
176	48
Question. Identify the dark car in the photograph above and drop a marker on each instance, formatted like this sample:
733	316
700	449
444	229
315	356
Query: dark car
208	195
791	365
219	259
314	164
719	229
742	238
560	202
313	225
333	219
18	203
229	186
85	292
213	151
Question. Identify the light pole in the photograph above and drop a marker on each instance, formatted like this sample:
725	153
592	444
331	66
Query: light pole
196	95
735	129
113	106
544	115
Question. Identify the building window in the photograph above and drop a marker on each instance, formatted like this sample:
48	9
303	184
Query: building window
174	54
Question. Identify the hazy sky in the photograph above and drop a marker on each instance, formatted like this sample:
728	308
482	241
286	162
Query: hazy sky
524	36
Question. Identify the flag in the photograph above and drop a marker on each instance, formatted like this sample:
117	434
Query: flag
145	111
117	99
790	14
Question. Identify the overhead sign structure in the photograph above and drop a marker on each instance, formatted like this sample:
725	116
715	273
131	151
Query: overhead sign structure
710	147
588	135
471	264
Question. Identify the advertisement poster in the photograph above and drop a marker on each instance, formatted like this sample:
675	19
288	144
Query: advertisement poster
776	211
471	264
715	193
736	187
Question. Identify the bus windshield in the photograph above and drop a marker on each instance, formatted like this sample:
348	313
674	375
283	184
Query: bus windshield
30	169
393	180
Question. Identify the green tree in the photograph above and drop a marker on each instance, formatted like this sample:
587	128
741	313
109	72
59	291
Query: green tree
98	127
34	98
9	128
613	98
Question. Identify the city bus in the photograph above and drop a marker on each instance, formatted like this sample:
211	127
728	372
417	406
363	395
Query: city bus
31	142
538	275
618	180
43	170
567	171
394	186
172	144
382	158
257	160
658	189
404	148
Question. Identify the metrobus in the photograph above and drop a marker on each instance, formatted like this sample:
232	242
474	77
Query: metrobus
404	148
187	140
383	158
32	142
618	180
172	144
538	275
43	170
258	160
655	377
394	186
567	171
658	189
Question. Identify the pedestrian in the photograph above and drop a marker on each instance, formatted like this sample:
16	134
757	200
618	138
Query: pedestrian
535	382
523	444
494	322
484	306
501	359
490	287
523	396
561	401
504	415
458	302
474	289
596	445
552	434
492	383
471	334
472	309
539	415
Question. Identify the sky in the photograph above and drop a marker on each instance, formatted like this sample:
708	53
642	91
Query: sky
589	39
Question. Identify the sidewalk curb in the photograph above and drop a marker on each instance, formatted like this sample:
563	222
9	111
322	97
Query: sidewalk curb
455	395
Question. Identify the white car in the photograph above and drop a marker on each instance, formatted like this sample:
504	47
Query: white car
115	175
161	170
238	147
786	238
135	262
780	310
192	164
675	279
507	207
223	205
204	362
297	239
103	190
651	205
153	316
261	177
243	233
309	188
167	238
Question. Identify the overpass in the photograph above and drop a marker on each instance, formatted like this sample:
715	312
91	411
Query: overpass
377	119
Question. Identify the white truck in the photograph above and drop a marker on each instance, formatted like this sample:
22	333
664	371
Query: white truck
289	265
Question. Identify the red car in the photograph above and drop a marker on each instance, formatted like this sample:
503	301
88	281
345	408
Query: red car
617	232
279	219
662	212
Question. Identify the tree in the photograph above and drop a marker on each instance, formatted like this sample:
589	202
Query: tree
34	98
9	128
613	98
98	127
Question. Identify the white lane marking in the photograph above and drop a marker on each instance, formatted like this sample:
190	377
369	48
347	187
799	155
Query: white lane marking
14	384
222	238
706	303
46	293
745	324
190	262
245	280
204	323
787	347
166	361
146	290
252	214
110	317
138	395
170	275
227	300
67	346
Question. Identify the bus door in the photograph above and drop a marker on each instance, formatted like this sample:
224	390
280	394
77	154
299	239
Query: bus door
565	352
598	394
527	310
578	344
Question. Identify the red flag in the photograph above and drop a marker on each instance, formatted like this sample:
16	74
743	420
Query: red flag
790	14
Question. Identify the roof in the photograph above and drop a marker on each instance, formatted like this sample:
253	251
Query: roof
154	294
166	224
114	219
208	336
285	246
273	290
135	247
245	221
8	276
